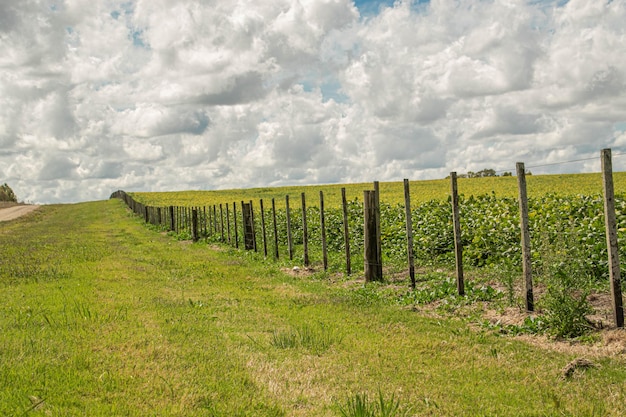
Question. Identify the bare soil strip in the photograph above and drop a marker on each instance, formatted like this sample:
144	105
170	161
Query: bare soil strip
14	212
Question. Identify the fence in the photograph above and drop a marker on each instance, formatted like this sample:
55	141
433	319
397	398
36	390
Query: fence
219	223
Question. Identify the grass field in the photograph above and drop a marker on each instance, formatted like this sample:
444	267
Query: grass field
392	192
102	316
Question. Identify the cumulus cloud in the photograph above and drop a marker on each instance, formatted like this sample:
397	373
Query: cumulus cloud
162	95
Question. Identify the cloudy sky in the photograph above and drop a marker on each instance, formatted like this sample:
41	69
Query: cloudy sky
157	95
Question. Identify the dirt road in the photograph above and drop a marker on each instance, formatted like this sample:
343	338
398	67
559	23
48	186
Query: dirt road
14	212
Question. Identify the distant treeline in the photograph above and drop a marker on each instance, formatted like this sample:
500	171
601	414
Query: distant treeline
487	172
7	194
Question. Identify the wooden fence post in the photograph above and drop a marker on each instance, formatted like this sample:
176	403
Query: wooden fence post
209	221
222	223
275	229
370	234
228	222
194	225
235	225
214	218
458	246
263	227
526	259
305	237
289	239
409	232
611	237
323	227
246	210
379	249
253	226
346	232
172	226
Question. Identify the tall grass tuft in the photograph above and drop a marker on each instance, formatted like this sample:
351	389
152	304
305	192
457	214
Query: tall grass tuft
361	406
316	339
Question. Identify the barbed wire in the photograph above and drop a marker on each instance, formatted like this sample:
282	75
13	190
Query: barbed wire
559	163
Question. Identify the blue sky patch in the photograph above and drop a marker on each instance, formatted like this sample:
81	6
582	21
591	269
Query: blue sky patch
373	7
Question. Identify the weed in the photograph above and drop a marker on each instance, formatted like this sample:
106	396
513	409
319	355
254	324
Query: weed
566	309
445	290
315	339
568	284
361	406
531	325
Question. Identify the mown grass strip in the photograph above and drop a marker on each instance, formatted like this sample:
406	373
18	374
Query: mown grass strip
110	318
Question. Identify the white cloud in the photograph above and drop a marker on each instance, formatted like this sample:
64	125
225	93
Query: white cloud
99	95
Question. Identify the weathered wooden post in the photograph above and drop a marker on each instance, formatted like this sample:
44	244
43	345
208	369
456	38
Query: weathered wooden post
194	225
611	237
228	222
275	229
145	214
378	237
346	233
222	222
204	221
235	225
289	239
305	237
215	218
253	226
373	271
246	209
409	232
323	227
458	246
525	232
172	226
263	227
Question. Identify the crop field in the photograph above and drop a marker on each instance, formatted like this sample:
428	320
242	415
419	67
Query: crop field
392	192
104	316
566	222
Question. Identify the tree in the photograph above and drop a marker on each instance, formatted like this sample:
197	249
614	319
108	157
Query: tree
7	194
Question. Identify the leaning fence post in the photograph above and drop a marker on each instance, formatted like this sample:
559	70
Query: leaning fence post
526	259
611	237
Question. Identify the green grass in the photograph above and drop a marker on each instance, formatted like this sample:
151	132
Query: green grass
102	316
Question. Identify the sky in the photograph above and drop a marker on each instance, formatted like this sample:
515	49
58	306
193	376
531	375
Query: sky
164	95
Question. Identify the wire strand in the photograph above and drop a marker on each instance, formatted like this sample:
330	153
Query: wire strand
560	163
